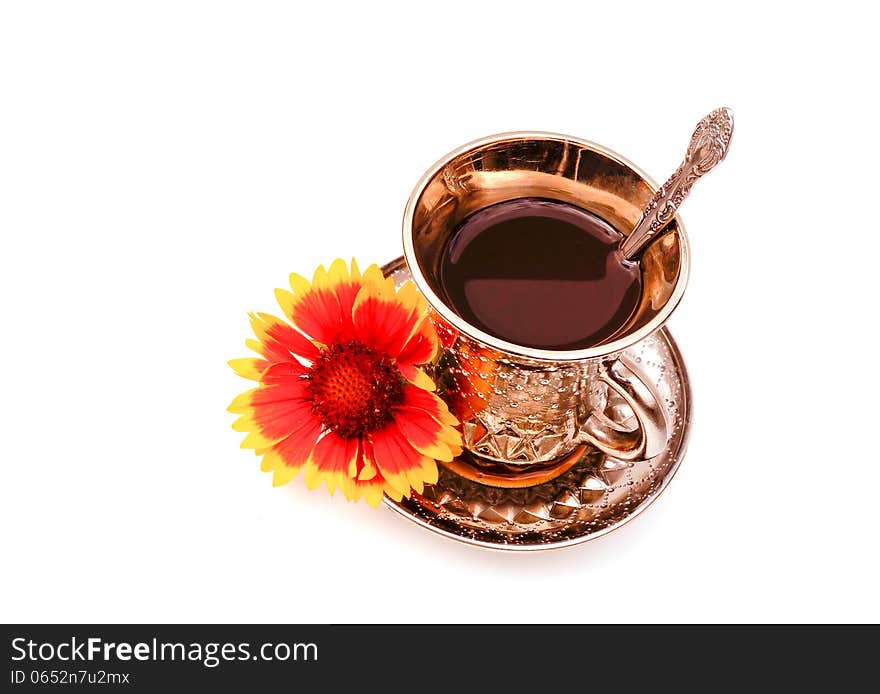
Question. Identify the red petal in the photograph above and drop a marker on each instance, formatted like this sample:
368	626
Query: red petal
382	324
283	373
418	399
334	453
325	313
393	453
346	293
279	409
295	449
421	347
280	341
278	392
292	340
279	419
419	428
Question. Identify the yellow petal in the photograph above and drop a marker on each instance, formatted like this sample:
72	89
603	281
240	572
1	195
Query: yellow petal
416	475
284	474
437	450
338	271
246	367
312	475
430	473
368	471
299	284
451	437
398	482
412	298
391	492
415	483
255	345
382	287
242	403
424	381
373	495
320	278
244	423
446	417
374	275
334	481
286	301
271	461
256	441
349	489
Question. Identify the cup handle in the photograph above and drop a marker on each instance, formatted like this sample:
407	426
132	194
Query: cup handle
629	381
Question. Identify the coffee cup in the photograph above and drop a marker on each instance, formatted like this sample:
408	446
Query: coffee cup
527	411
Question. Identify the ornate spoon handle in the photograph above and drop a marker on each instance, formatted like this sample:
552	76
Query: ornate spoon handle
708	146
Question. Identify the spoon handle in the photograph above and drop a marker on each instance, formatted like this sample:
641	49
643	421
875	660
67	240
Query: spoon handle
708	146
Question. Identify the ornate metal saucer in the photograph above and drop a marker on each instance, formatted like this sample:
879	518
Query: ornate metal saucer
593	497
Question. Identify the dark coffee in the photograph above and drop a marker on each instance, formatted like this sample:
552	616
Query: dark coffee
540	273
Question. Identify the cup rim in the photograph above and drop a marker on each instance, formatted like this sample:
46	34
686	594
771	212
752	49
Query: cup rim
475	333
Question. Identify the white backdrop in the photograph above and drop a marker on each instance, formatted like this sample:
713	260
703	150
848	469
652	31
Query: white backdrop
165	165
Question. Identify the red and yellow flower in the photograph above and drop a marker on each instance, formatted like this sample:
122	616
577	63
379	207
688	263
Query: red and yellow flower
341	395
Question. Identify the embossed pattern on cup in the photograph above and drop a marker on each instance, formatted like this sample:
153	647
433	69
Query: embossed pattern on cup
519	413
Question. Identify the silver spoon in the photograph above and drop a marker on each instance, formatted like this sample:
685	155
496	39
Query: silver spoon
708	146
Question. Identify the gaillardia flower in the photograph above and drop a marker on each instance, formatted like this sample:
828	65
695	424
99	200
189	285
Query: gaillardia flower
340	392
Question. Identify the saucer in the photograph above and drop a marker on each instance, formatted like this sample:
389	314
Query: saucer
595	495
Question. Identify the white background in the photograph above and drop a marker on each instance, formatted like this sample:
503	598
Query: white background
165	165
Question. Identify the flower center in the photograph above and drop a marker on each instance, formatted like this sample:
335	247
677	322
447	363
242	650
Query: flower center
354	389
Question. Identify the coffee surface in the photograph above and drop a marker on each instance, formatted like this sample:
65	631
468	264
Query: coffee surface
541	274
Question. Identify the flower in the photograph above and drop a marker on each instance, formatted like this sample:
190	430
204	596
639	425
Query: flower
340	394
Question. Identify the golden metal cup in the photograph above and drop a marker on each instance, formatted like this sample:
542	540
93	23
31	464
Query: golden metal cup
528	414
